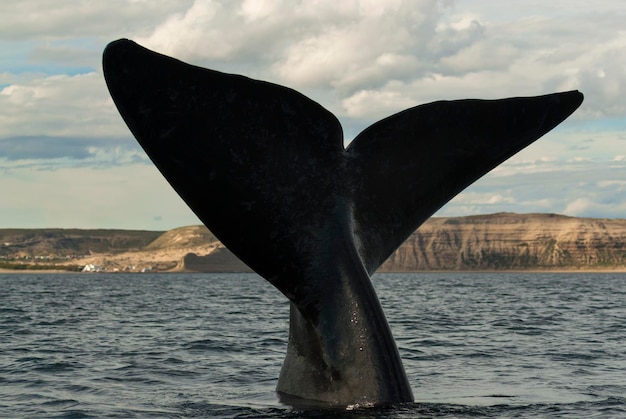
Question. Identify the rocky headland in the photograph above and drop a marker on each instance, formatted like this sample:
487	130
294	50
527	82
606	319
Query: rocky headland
503	241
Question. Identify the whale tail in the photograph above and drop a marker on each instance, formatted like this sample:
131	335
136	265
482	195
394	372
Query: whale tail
265	169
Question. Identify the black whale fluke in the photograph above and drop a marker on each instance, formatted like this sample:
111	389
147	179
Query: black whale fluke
265	169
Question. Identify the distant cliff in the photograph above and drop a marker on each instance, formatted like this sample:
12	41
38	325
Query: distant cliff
501	241
512	241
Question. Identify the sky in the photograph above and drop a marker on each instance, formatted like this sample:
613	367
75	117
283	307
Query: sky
68	160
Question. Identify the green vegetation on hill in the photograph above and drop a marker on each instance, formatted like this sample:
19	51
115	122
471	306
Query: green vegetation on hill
56	242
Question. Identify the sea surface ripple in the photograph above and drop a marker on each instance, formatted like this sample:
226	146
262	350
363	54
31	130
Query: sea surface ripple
503	345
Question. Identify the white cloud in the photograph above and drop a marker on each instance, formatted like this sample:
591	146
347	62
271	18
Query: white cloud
192	34
593	189
59	105
619	184
342	52
584	207
364	50
119	197
432	49
50	19
375	104
254	10
362	59
483	198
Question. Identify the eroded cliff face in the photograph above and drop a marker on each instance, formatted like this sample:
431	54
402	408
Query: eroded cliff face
480	242
512	241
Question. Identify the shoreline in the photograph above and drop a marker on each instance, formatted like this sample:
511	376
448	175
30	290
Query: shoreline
493	271
36	271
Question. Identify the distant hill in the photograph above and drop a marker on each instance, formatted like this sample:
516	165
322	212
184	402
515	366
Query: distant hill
59	242
66	249
183	237
512	241
502	241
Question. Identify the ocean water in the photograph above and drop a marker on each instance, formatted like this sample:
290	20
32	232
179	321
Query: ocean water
503	345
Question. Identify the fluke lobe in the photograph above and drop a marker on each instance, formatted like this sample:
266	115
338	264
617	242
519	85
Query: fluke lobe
265	169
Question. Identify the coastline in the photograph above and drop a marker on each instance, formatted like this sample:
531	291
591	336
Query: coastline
35	271
504	271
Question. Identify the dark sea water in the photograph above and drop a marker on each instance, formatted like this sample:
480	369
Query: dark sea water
206	345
